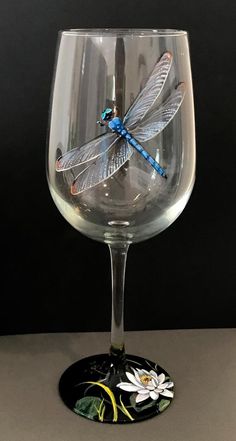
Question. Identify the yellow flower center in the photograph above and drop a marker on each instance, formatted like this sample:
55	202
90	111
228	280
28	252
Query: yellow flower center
145	379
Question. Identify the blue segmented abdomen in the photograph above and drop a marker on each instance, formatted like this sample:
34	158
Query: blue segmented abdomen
117	125
132	141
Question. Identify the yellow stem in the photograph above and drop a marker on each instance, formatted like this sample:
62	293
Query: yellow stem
111	395
102	413
125	410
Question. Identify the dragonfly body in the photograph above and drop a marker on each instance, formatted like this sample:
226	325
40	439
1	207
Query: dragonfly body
117	126
101	157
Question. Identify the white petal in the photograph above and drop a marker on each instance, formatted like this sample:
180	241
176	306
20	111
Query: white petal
166	385
128	387
153	395
140	398
153	374
137	374
154	382
161	378
167	393
143	391
139	371
158	390
151	387
133	380
146	372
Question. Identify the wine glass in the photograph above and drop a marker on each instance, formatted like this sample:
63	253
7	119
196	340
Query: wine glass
121	168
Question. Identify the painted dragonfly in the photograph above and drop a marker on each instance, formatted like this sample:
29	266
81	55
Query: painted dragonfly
105	155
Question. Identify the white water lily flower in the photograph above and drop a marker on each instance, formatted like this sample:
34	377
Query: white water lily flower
147	385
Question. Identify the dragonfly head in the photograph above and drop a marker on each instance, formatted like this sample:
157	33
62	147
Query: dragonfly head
106	116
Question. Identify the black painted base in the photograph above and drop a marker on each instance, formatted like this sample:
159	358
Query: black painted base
111	389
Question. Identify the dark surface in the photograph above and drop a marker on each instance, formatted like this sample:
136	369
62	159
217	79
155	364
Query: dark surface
201	362
74	386
53	278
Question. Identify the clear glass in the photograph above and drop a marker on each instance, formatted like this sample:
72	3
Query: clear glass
99	69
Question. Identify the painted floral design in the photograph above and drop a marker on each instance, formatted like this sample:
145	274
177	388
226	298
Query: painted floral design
147	385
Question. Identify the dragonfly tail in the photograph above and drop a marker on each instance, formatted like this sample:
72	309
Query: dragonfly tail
148	157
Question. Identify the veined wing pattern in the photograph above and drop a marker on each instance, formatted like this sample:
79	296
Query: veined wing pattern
107	153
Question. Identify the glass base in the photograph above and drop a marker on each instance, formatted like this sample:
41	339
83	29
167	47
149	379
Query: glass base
111	388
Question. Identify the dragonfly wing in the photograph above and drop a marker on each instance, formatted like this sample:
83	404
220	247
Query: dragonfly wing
160	118
104	167
87	152
150	92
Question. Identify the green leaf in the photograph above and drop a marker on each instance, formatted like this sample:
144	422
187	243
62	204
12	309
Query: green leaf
88	406
140	407
163	404
146	406
132	400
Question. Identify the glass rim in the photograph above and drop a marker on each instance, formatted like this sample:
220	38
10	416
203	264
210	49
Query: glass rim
138	32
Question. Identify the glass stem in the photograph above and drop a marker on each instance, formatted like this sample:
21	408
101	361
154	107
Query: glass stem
118	265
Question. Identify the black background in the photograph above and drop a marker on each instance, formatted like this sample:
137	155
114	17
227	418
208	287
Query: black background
55	279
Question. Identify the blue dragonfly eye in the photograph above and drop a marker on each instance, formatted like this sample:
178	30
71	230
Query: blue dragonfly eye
106	115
